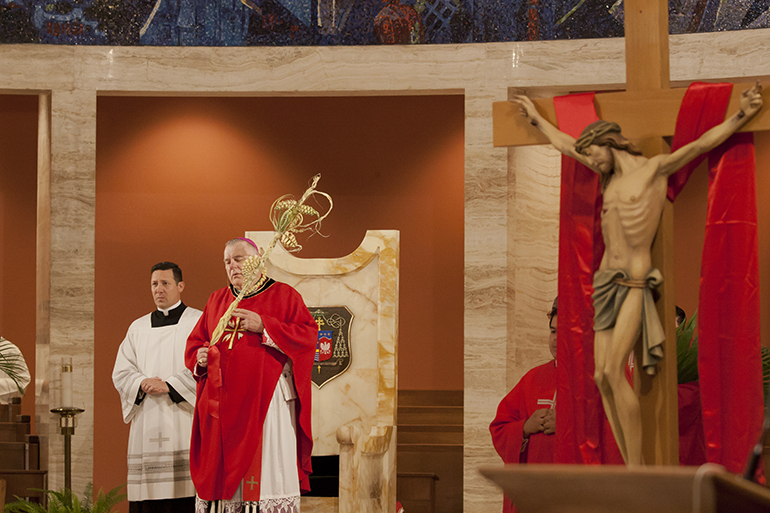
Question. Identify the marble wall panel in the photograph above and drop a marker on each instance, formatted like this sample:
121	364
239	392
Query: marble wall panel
72	221
533	234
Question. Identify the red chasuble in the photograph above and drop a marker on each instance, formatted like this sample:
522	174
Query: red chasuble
535	391
234	395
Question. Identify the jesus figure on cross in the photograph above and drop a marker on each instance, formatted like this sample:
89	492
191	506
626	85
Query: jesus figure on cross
634	193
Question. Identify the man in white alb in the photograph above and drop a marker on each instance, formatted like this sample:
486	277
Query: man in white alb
157	393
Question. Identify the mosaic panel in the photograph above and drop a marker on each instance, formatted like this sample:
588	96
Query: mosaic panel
346	22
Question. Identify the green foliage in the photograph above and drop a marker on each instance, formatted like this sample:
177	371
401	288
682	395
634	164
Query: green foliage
64	501
11	362
687	355
687	350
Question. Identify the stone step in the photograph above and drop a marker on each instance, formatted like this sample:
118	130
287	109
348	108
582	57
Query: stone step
442	415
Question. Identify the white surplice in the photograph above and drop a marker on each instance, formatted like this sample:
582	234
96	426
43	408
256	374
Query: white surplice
159	439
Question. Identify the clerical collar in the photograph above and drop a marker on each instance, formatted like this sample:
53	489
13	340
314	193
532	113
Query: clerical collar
167	310
268	282
168	316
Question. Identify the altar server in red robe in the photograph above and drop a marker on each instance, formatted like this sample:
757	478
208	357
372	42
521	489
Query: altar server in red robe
251	439
525	422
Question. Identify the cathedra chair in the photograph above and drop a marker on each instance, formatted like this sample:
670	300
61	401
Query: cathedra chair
354	300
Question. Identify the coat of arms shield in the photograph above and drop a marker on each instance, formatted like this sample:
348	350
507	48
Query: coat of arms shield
333	349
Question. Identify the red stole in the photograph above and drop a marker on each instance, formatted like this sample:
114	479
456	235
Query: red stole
234	395
729	361
582	434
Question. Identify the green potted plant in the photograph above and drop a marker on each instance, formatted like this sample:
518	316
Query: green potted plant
687	354
64	501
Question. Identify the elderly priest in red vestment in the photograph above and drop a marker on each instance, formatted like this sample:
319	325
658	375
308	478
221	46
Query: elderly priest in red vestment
251	439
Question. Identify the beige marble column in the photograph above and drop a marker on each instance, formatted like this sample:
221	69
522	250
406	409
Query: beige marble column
486	267
533	250
73	193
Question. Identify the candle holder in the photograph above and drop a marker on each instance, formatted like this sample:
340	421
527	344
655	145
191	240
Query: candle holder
67	423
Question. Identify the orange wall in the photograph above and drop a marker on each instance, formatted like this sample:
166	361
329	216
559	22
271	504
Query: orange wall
177	177
690	228
18	214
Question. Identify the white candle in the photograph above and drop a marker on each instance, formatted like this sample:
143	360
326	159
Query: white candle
66	382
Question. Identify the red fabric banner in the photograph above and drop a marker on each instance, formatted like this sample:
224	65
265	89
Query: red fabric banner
729	360
581	436
703	107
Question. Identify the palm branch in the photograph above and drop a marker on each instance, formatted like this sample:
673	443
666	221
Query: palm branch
687	354
289	217
11	362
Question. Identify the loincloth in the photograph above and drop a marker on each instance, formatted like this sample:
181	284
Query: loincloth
611	287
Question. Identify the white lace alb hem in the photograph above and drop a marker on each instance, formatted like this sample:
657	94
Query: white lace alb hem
273	505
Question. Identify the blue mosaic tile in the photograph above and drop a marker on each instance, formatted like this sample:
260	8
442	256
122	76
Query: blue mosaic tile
345	22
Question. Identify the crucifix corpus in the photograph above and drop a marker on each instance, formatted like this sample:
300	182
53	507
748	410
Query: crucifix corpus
634	193
634	209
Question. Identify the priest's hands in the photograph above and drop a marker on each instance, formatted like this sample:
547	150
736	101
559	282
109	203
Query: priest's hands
542	421
549	426
250	321
203	357
154	386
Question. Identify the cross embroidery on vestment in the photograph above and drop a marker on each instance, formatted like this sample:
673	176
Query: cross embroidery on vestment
232	330
160	439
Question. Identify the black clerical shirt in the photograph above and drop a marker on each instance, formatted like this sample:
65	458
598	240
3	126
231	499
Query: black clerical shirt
158	320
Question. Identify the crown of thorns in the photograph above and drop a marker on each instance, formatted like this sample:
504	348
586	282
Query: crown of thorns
594	131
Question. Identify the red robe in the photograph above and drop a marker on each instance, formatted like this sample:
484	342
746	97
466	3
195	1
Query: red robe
234	392
535	391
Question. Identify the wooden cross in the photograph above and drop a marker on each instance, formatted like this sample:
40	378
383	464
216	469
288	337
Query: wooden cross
647	112
252	482
160	439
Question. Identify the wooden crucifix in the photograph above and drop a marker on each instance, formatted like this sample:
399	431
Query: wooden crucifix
647	112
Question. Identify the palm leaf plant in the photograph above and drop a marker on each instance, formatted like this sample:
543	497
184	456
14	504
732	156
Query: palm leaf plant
687	354
64	501
11	362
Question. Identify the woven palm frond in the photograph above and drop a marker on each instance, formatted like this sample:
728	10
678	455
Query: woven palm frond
289	217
